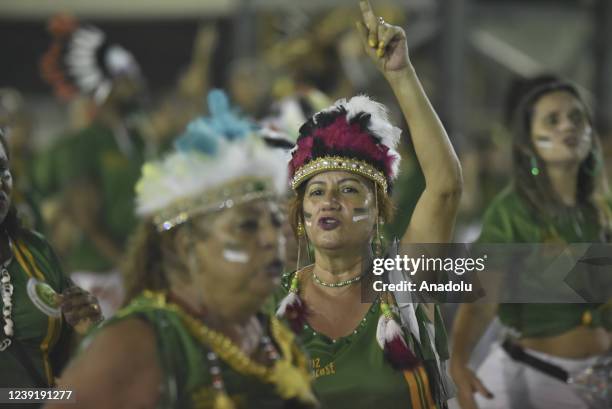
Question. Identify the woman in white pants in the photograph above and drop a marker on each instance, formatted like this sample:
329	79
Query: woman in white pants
556	197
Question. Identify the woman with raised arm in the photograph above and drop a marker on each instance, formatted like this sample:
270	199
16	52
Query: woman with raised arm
206	256
557	196
342	170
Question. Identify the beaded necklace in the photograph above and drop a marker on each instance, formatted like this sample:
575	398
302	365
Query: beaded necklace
342	283
6	291
290	381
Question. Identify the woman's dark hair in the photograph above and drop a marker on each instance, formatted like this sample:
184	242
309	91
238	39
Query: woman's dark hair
537	191
520	87
11	223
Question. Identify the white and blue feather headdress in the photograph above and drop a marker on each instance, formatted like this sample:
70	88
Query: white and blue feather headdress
218	162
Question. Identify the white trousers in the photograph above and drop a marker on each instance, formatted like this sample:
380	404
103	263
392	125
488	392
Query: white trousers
519	386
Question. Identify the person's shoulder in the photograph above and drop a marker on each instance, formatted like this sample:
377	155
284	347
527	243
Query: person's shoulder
39	254
272	302
147	301
117	366
92	130
78	140
122	333
36	244
508	199
128	332
283	289
505	217
287	278
508	203
150	307
33	238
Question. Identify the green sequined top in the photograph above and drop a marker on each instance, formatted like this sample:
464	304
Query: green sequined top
508	220
187	381
352	371
44	339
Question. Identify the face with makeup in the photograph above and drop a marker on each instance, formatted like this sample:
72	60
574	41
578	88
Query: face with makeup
339	210
236	256
560	129
6	183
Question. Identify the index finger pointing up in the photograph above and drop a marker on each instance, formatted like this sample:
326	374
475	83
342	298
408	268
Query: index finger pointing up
370	21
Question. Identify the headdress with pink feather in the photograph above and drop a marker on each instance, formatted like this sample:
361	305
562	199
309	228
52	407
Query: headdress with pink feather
353	135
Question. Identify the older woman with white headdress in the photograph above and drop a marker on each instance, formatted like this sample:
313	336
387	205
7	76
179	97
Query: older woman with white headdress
206	255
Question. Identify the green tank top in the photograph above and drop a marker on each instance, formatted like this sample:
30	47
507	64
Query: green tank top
352	371
187	381
45	340
508	220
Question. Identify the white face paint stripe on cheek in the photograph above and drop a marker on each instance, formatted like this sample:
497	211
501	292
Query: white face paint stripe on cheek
308	223
361	217
235	256
544	143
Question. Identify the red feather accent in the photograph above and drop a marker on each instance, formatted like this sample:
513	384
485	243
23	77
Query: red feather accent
296	315
62	24
302	154
399	355
60	27
342	136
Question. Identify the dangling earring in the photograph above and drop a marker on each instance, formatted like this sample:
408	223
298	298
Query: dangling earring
300	234
378	240
291	307
535	170
390	338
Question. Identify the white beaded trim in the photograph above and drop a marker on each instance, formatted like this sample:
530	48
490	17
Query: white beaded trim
240	191
6	289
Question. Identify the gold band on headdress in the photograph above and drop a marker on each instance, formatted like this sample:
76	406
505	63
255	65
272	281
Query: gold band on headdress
237	192
326	163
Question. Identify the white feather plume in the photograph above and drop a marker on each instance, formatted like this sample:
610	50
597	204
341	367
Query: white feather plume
183	175
290	299
379	125
388	330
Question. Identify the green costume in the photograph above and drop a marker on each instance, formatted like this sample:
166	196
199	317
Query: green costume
45	340
93	155
352	371
188	382
24	196
508	220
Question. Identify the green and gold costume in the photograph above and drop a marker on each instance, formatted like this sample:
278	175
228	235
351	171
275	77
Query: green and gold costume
508	220
45	340
182	357
352	371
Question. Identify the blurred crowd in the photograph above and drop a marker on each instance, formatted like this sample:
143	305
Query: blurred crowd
76	186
